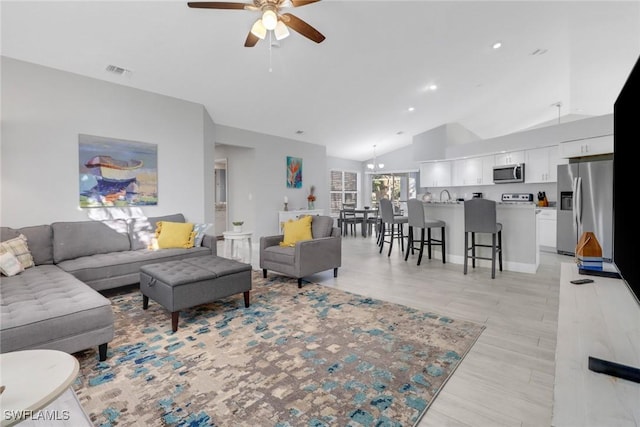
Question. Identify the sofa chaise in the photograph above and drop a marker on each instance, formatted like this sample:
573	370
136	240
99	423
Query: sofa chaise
55	304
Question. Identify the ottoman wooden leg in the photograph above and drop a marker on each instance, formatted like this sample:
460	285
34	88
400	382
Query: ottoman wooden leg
145	302
174	320
246	299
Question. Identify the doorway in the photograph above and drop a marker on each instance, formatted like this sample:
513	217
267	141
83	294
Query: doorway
221	192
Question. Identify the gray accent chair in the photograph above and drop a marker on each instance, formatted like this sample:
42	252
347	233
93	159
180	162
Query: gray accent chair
322	252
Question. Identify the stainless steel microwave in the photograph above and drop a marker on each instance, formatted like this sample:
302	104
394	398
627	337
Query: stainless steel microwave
508	173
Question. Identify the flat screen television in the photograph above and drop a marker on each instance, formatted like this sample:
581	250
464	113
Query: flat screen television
626	248
625	217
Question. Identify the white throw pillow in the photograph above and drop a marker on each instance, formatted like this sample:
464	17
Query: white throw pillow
9	264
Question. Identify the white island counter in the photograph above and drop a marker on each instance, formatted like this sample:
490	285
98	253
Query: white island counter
519	234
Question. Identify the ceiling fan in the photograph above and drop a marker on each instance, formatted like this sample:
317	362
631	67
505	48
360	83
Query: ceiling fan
271	19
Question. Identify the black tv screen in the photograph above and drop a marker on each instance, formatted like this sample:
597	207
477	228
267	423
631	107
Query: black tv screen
626	242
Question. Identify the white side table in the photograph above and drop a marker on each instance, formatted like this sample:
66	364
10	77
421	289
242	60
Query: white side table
237	245
33	379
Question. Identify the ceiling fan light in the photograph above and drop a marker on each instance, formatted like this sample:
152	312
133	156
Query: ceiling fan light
259	30
281	31
269	19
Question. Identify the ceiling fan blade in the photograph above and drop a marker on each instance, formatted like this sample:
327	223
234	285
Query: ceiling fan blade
302	27
298	3
251	40
218	5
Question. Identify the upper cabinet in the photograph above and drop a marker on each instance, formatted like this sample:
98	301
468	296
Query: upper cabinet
435	174
510	158
541	164
587	147
473	171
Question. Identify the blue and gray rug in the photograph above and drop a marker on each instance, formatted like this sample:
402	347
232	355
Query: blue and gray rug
309	357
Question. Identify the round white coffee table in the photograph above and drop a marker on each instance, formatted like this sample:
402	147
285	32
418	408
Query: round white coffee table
237	242
32	380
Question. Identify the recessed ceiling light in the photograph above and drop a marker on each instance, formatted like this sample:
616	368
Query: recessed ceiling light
539	52
497	45
299	132
400	132
117	70
411	109
433	87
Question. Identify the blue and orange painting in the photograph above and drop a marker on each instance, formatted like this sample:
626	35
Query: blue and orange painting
116	172
294	172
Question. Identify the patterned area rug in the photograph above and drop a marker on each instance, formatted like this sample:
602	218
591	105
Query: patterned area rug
312	357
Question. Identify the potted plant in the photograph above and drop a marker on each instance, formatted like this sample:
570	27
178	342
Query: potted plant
237	225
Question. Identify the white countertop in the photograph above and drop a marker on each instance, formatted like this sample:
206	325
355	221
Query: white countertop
500	204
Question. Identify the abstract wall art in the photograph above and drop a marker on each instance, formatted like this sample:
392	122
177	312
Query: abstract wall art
294	172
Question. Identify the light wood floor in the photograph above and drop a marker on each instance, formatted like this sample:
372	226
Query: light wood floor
507	377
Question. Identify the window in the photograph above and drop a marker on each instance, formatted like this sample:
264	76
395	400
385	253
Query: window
343	189
397	187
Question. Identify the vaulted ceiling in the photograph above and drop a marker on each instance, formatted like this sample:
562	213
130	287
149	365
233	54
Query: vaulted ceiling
355	89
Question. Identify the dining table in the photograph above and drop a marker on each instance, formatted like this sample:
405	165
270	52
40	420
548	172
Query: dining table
365	212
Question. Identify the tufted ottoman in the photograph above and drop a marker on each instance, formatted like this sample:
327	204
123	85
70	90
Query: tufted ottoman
185	283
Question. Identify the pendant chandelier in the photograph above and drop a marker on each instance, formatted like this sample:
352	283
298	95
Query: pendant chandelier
375	166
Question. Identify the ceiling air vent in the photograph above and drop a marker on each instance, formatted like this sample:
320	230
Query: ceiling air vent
117	70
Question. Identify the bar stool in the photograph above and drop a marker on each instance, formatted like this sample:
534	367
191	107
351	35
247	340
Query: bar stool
390	224
417	219
480	217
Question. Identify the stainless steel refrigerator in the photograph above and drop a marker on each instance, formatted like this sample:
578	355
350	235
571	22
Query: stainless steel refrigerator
585	203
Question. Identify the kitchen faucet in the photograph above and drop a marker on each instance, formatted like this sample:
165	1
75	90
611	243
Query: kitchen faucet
448	194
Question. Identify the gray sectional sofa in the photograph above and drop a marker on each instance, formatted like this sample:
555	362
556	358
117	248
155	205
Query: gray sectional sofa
56	304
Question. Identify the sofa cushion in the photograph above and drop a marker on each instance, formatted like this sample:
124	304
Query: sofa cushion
280	254
82	238
321	226
143	230
39	239
104	271
200	230
296	231
44	304
19	248
9	264
175	234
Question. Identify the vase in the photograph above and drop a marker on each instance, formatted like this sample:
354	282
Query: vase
237	228
310	205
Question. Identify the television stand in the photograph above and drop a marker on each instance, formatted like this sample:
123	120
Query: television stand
614	369
596	321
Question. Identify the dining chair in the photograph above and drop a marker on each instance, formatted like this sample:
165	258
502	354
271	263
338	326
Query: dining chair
480	217
392	226
350	220
417	219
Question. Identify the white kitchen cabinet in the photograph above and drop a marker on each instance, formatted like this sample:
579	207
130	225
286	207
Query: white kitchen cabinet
473	171
541	164
587	147
435	174
510	158
547	226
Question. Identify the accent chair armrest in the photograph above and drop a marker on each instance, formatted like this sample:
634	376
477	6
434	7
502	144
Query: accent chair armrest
319	254
266	241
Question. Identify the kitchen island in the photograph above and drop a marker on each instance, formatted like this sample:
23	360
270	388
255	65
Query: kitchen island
520	251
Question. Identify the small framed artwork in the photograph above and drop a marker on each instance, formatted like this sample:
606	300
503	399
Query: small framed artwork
115	172
294	172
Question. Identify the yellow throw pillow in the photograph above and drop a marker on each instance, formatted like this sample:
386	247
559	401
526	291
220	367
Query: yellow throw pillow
295	231
175	234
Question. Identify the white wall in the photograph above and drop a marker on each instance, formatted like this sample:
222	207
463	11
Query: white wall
257	179
44	110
